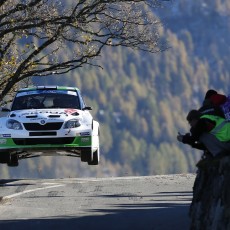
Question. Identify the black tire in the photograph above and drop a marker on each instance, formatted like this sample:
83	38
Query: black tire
95	160
4	158
13	162
86	155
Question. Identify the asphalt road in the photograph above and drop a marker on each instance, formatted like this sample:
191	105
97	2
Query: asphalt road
123	203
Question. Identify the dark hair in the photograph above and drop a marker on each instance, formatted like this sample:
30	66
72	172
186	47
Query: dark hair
193	114
209	93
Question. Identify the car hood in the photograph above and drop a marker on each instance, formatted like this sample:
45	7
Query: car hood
46	114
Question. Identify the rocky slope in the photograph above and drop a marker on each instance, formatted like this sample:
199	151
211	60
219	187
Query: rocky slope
210	208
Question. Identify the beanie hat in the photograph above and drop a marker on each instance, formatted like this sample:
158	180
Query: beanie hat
209	93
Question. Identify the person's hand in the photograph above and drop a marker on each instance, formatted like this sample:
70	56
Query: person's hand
180	137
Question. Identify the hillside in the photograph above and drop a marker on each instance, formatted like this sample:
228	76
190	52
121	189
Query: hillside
141	100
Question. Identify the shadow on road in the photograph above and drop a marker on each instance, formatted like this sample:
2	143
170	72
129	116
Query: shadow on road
163	216
5	182
161	211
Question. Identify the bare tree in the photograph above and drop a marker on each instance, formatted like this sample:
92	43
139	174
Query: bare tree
35	33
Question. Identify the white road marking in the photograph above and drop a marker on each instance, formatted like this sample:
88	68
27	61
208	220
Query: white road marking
31	190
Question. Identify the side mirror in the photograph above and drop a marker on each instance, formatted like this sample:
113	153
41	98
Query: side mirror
87	108
4	109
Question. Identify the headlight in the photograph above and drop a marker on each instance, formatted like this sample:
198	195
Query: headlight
13	124
72	124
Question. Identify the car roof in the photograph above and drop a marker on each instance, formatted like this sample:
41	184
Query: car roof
49	87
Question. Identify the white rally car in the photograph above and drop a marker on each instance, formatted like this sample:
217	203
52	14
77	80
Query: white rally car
49	120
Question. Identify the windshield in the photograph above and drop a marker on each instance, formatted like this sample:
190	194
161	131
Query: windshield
45	100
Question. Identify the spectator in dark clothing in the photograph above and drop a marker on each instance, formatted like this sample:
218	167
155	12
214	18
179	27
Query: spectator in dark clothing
212	103
214	98
207	132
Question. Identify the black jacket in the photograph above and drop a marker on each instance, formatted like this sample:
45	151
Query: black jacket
203	125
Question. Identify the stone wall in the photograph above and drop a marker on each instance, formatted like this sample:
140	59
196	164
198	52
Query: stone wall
210	207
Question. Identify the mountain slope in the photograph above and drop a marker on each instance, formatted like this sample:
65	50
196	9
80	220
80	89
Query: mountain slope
141	100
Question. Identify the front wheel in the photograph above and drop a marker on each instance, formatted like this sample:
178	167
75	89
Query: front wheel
4	158
96	158
9	159
86	155
13	162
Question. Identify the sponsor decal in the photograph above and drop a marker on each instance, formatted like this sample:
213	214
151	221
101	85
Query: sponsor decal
71	92
6	135
24	114
32	92
2	141
84	139
85	134
70	111
37	119
43	112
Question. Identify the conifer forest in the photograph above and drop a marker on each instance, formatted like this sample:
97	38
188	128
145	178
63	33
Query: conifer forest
141	99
